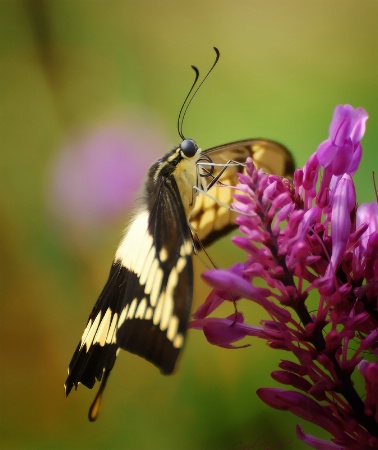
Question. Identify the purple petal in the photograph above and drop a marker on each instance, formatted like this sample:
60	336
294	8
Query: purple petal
367	213
356	159
358	131
343	124
223	332
224	280
283	377
369	370
294	367
316	443
310	172
302	406
325	152
344	201
340	127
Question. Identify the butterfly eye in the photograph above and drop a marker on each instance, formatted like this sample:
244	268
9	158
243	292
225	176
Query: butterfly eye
189	148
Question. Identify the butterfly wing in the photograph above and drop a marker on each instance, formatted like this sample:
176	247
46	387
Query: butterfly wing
211	220
157	330
145	305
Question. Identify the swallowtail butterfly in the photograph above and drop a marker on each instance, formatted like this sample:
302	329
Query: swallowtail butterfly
144	307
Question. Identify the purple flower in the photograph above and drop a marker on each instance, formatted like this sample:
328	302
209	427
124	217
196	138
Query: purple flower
94	178
342	151
310	237
369	371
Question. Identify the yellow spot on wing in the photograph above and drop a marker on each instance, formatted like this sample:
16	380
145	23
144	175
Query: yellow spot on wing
103	329
163	254
181	263
151	275
172	328
131	312
92	331
207	220
156	288
123	316
172	283
111	337
179	341
141	309
86	331
149	313
223	219
158	309
167	311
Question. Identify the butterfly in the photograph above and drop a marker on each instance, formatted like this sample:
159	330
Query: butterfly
145	305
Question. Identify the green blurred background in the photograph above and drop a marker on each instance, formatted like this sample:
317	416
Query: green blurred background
70	68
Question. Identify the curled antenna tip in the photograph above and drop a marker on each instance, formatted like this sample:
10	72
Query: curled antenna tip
189	97
195	69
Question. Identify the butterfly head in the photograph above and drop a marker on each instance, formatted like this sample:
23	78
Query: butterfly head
188	148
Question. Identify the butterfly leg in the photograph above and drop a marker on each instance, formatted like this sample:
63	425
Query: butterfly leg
216	178
198	246
224	168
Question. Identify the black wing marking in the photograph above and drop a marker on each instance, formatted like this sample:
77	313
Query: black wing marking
212	221
145	305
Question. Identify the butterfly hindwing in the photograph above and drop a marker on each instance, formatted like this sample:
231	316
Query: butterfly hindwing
209	218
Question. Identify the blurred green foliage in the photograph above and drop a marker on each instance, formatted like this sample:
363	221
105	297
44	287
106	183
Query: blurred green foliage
69	66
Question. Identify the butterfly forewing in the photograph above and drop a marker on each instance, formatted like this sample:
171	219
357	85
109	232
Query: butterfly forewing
145	305
209	218
164	278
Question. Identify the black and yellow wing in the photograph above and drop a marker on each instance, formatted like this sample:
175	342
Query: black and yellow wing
209	218
145	305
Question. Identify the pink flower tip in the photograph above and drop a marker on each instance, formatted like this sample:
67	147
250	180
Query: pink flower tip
224	332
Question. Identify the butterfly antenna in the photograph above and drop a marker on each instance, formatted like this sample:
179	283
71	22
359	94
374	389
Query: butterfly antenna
179	124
